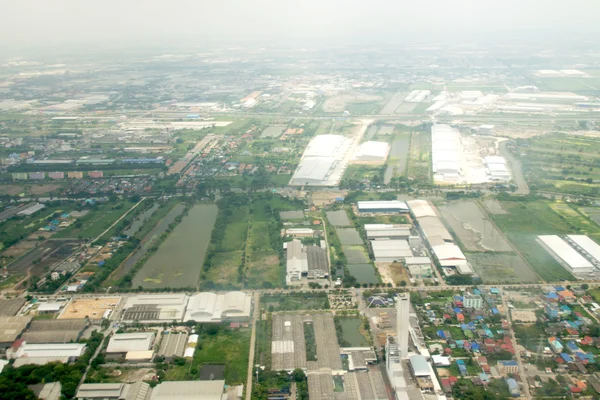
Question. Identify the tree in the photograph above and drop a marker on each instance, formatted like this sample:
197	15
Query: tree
297	375
403	283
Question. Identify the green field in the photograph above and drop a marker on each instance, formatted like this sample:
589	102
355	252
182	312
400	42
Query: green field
295	301
561	163
419	157
528	219
100	218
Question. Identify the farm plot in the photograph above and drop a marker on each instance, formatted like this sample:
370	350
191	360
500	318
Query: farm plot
501	268
338	218
473	228
592	213
349	236
273	131
523	223
397	159
393	103
147	242
178	261
419	157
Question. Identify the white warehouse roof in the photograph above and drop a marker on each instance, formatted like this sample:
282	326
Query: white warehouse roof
50	350
421	208
390	250
372	151
212	307
188	390
324	146
587	245
382	205
419	365
126	342
565	254
323	162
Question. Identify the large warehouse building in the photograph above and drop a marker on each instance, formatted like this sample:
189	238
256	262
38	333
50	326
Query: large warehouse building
387	231
391	206
323	162
371	153
212	307
126	342
566	255
155	307
587	247
388	251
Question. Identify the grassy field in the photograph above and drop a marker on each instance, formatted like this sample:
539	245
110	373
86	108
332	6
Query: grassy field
229	347
100	217
562	163
295	301
525	221
419	157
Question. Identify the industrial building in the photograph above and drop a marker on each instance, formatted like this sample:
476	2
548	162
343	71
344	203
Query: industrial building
323	162
52	351
388	251
55	331
496	169
387	231
10	329
300	232
189	390
297	261
402	323
419	267
473	301
566	255
173	344
211	307
371	153
155	307
126	342
392	206
10	307
440	241
456	159
450	255
587	247
115	391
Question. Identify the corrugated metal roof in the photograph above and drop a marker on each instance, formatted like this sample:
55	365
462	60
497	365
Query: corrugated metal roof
587	244
419	365
561	249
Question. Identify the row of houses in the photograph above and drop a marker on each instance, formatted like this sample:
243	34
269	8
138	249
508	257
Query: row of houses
40	175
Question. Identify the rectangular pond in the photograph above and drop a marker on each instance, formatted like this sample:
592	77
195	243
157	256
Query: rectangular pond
349	236
364	273
178	261
338	218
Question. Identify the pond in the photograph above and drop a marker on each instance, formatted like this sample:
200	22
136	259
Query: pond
338	218
364	273
351	332
139	221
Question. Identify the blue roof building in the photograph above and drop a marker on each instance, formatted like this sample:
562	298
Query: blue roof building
494	290
513	387
566	357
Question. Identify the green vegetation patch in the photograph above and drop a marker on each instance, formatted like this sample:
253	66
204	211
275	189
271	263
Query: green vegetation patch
295	301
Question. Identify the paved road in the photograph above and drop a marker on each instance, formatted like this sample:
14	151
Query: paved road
522	373
252	345
516	168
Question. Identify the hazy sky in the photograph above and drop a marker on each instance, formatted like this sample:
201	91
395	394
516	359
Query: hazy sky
110	22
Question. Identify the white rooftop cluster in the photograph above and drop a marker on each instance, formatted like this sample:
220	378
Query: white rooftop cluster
323	162
372	152
579	254
212	307
496	169
457	159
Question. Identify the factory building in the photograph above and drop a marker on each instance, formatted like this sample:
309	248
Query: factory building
305	261
387	231
155	307
419	267
446	151
393	206
496	169
586	246
297	261
55	330
440	241
45	352
473	301
211	307
566	255
371	153
323	162
126	342
388	251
